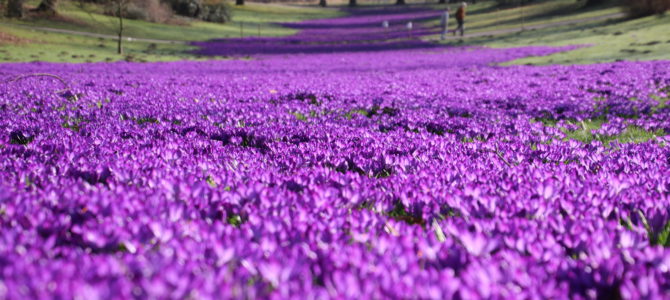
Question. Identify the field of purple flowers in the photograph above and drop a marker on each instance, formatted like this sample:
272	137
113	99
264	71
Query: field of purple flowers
407	173
362	31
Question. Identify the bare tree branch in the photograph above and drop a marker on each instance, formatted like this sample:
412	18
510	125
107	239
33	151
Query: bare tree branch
24	76
502	157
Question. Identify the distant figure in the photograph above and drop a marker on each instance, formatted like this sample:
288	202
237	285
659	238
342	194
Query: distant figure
409	28
444	23
385	25
460	18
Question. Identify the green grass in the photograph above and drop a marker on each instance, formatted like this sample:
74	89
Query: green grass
487	16
632	134
656	237
251	16
662	101
299	116
606	40
57	47
584	134
631	40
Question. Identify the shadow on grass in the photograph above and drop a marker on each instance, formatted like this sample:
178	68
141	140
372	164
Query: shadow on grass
535	34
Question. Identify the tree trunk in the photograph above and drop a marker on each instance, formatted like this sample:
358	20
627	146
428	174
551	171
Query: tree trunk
442	2
400	2
323	3
239	2
47	6
120	13
352	2
15	8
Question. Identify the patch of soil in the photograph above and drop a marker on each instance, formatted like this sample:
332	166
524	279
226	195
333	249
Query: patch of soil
10	39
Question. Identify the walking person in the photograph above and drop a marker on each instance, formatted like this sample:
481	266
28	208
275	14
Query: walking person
444	23
460	18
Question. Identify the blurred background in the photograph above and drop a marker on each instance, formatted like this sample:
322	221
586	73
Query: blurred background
163	30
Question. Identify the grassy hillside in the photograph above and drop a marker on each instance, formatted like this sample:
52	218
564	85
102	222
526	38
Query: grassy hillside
31	45
609	40
19	43
488	15
604	40
89	18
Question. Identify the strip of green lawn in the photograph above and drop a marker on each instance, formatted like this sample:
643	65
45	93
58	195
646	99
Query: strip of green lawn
58	47
631	40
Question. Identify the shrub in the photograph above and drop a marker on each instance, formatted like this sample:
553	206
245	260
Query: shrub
216	12
207	10
187	8
639	8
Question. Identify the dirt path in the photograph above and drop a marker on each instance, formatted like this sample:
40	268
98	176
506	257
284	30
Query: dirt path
468	35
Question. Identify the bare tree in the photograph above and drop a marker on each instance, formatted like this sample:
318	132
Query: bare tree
352	3
15	9
120	8
400	2
323	3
